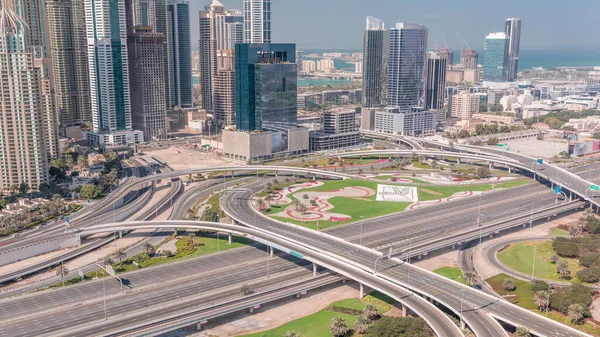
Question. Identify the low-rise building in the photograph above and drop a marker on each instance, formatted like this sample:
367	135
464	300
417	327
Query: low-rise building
262	145
339	130
411	122
490	118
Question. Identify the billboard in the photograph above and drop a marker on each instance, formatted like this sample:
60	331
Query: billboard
279	141
584	148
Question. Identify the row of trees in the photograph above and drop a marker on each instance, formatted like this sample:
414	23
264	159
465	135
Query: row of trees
13	223
558	119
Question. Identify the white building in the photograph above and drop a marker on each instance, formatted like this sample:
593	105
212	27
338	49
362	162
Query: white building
257	21
410	122
358	67
309	66
325	65
464	105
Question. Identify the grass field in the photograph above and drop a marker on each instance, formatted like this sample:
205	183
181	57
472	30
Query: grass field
317	325
519	257
524	299
558	232
388	177
368	207
452	273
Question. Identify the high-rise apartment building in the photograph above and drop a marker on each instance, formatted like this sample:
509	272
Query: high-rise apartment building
496	57
447	54
464	105
309	66
179	54
224	88
406	68
469	59
23	155
66	26
512	29
266	82
33	13
435	83
109	74
374	64
146	52
257	21
325	65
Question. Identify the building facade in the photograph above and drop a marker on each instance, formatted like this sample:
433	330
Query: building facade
146	51
435	83
512	29
224	89
374	64
469	59
464	105
496	57
179	57
69	61
23	154
405	122
257	21
266	82
406	69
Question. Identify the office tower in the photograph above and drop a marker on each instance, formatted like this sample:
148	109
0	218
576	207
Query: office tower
495	59
230	29
374	66
66	24
109	74
435	83
512	29
257	21
469	59
179	54
33	13
447	54
464	105
406	69
224	88
146	52
23	156
266	86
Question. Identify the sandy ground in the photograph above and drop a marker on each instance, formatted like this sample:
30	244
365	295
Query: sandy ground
533	147
486	270
273	314
190	159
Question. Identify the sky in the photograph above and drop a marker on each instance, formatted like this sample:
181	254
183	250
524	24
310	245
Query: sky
339	24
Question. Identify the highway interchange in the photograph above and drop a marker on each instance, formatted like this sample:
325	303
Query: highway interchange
495	206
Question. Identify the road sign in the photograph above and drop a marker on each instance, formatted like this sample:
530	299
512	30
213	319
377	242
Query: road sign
67	219
540	161
297	254
595	188
501	144
557	190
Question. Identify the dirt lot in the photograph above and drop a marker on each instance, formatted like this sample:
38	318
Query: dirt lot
181	159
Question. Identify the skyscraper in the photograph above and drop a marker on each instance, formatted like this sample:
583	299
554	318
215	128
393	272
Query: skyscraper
266	86
109	74
469	59
179	54
23	156
257	21
33	13
512	29
447	54
495	59
224	88
406	69
207	45
435	83
69	61
374	67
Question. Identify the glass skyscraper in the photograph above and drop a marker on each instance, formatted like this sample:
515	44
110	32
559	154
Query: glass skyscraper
266	86
179	53
495	58
512	29
374	64
435	83
406	68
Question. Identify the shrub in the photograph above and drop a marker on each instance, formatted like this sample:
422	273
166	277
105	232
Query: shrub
565	247
539	285
399	327
589	275
562	298
590	260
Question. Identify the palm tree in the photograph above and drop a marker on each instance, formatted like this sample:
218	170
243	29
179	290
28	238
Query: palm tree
338	327
297	204
275	182
370	312
471	278
291	334
108	261
362	323
575	313
287	181
268	199
508	284
542	299
554	259
62	271
360	171
149	248
120	255
522	332
246	290
574	231
261	204
562	267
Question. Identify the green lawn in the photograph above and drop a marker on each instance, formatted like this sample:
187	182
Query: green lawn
446	191
421	166
387	178
555	231
452	273
519	257
524	299
317	325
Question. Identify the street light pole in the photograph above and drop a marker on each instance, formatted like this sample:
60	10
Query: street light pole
104	293
479	218
462	298
533	264
531	216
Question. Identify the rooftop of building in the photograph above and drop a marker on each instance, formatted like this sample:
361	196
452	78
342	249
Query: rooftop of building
496	36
